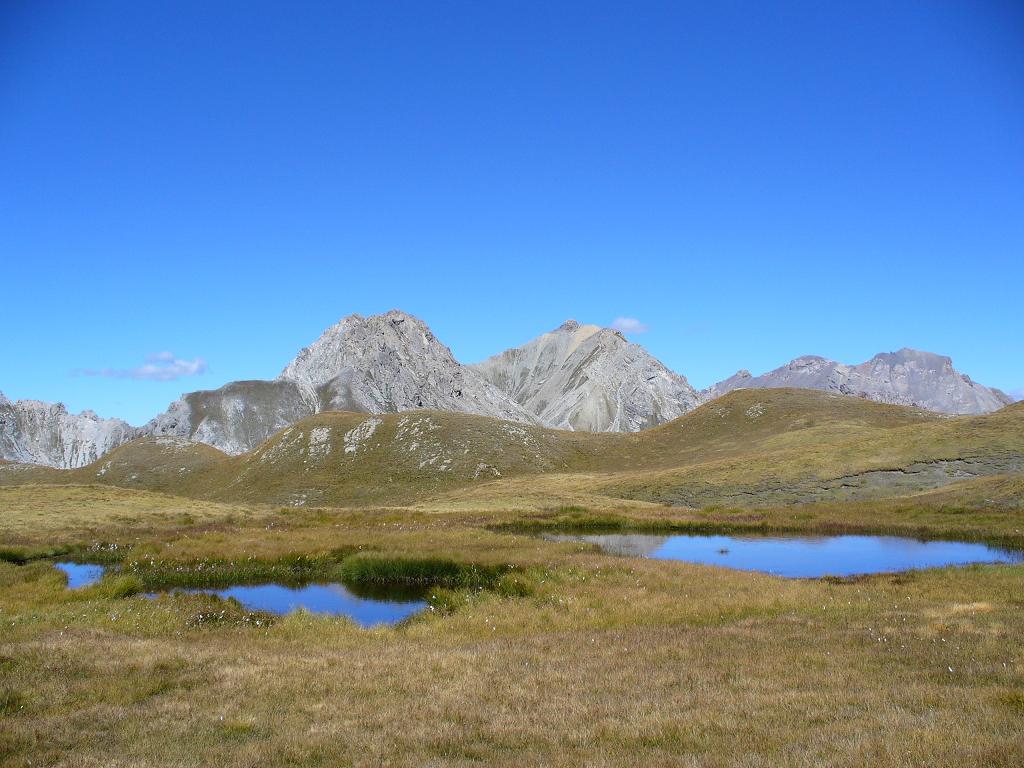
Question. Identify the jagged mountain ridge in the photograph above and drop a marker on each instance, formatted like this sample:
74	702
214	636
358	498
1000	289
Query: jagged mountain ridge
750	448
584	377
391	363
579	377
33	432
906	377
380	364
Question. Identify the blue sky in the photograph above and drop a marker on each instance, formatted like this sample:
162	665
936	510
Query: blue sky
204	187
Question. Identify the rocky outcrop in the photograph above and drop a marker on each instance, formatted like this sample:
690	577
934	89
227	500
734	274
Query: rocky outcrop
381	364
907	377
32	432
390	363
584	377
237	417
579	377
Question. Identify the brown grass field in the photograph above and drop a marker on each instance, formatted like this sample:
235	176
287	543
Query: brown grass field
571	657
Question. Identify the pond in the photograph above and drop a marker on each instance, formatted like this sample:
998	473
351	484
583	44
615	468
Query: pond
387	607
801	556
81	574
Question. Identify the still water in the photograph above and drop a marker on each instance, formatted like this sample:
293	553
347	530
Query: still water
81	574
381	606
802	556
332	599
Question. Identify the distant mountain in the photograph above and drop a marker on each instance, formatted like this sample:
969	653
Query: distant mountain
576	377
584	377
750	448
381	364
235	418
32	432
391	363
906	377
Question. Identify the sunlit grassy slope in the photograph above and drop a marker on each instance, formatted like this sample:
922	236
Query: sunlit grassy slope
570	656
593	660
749	448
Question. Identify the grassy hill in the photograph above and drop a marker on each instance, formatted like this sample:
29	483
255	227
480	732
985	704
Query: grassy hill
797	446
636	660
750	448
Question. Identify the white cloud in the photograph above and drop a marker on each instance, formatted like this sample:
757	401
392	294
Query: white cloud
161	366
629	325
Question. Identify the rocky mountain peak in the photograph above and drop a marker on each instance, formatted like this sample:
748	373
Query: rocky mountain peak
807	361
905	377
577	376
586	377
379	364
34	432
924	360
394	334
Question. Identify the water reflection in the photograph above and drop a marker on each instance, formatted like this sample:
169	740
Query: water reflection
332	599
81	574
802	556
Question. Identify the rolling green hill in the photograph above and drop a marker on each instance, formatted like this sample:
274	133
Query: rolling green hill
749	448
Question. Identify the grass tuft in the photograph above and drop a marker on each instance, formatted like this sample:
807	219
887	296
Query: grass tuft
422	572
11	701
291	570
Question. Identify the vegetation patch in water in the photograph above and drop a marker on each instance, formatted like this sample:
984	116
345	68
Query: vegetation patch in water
293	569
424	572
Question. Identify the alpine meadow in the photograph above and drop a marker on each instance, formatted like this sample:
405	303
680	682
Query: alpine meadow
302	464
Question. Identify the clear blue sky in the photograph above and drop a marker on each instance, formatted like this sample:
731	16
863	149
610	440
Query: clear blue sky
753	181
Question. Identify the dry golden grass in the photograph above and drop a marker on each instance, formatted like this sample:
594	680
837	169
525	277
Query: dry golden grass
604	661
68	513
596	660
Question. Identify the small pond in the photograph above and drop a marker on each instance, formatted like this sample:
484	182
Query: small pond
81	574
801	556
383	607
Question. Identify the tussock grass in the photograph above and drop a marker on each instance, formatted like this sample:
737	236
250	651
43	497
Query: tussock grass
290	570
422	572
111	587
537	652
607	662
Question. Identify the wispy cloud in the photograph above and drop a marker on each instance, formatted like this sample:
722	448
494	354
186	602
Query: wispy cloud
159	366
629	325
1017	394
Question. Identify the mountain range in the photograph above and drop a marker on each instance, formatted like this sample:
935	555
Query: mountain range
749	448
576	377
906	377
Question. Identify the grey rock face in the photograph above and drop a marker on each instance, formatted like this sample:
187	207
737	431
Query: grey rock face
907	377
33	432
390	363
579	377
381	364
235	418
583	377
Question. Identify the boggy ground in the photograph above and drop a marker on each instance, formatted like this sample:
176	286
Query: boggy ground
566	657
